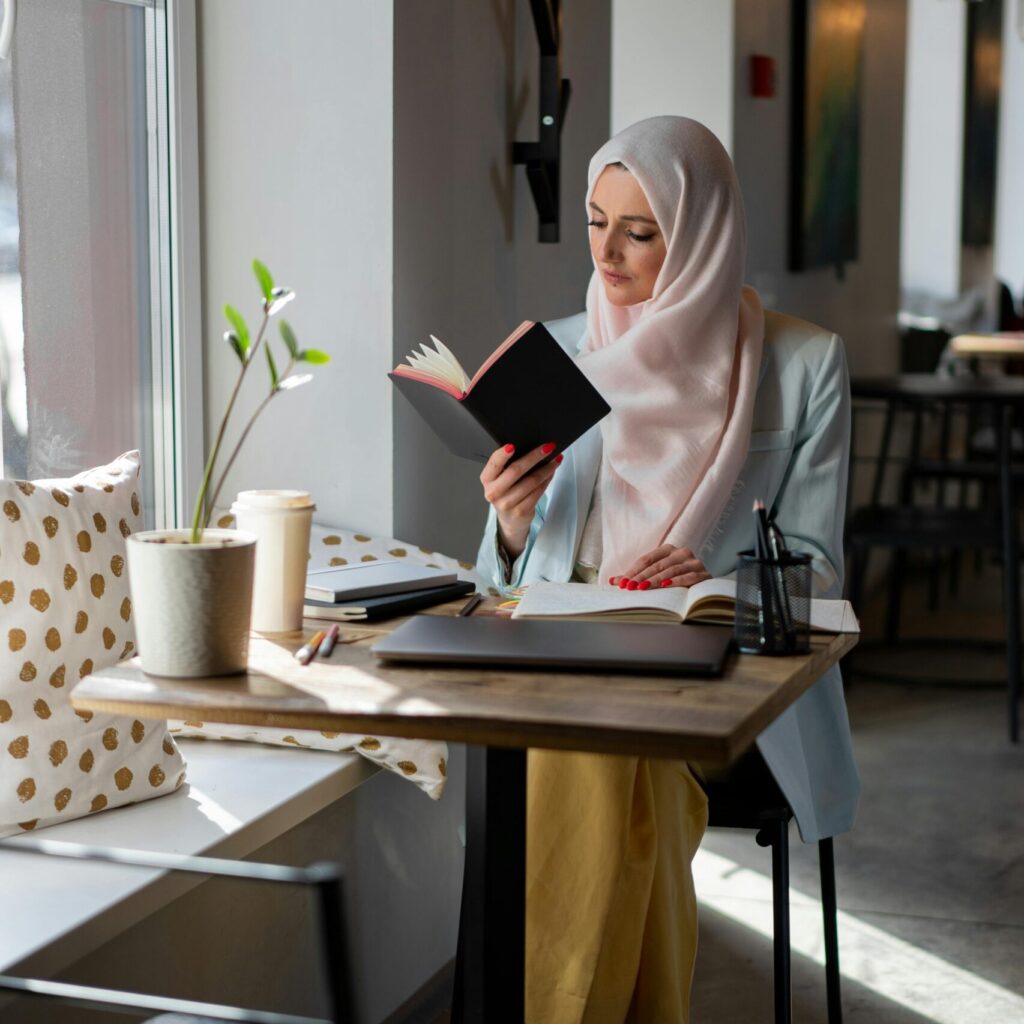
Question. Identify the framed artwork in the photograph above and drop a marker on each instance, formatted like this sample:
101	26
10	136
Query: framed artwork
828	62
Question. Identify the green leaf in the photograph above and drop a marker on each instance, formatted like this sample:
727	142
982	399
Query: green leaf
264	278
289	339
239	325
273	369
313	355
235	342
279	298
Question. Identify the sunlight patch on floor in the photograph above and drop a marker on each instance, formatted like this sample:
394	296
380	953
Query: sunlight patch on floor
869	956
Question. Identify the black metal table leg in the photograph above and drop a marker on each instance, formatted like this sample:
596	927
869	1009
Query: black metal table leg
1011	569
492	928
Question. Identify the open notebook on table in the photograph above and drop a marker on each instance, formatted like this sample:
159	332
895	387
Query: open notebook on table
713	600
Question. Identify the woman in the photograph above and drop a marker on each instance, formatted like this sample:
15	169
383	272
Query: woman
714	403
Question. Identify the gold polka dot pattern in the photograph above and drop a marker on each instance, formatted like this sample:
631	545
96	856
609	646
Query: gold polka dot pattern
65	608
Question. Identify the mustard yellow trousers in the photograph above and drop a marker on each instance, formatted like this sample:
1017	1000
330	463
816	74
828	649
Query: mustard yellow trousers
611	915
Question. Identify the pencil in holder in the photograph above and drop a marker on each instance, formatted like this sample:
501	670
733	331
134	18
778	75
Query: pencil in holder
773	604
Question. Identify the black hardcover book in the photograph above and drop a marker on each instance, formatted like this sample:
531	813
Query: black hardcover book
385	606
528	393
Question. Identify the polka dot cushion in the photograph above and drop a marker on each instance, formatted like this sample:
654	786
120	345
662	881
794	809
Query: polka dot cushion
65	611
422	762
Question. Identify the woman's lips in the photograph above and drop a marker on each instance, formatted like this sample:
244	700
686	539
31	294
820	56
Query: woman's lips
614	278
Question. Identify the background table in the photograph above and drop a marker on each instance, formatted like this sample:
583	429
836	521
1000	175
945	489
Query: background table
499	713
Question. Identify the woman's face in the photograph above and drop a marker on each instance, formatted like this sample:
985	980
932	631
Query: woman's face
625	241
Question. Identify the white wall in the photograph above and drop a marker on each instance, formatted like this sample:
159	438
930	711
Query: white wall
296	165
862	306
1009	240
673	57
932	147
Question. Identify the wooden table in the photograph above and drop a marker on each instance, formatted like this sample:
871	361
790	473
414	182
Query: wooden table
499	714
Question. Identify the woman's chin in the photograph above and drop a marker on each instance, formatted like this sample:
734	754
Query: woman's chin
617	295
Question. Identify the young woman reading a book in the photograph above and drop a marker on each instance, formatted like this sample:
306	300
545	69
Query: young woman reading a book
714	403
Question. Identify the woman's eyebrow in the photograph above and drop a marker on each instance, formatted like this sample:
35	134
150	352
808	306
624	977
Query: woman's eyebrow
630	216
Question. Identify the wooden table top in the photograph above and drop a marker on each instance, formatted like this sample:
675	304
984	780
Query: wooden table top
710	720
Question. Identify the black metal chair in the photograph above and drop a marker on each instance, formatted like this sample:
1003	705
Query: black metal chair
750	798
908	525
323	878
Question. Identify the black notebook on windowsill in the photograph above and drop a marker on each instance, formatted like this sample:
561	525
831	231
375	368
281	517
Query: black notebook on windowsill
529	392
368	608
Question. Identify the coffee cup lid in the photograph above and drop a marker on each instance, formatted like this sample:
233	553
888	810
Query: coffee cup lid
274	499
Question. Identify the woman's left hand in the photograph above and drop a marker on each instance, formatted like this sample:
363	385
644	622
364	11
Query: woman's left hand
665	566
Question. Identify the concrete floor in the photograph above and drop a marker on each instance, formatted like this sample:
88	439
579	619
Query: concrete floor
931	880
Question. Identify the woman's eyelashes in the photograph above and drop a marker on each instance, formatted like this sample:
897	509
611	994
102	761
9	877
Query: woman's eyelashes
632	235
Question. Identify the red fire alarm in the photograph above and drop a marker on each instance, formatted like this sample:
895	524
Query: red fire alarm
762	76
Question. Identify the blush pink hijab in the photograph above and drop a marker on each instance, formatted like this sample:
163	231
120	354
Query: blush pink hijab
680	370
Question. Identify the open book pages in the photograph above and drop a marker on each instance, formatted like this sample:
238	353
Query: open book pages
439	366
711	601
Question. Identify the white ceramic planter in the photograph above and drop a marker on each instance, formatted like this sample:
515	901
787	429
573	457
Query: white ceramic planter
191	602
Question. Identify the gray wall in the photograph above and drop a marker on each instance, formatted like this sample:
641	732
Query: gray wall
467	263
862	308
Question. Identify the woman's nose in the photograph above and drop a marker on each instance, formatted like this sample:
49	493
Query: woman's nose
609	251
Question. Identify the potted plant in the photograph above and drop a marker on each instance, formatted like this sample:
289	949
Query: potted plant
192	588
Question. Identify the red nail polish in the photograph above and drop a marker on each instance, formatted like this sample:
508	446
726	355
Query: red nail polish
632	585
666	583
548	448
509	449
622	583
558	459
646	585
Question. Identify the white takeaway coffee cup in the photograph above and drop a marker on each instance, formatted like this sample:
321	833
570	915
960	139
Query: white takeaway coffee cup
281	521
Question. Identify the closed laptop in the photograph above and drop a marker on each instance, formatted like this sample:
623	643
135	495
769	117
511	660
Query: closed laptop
535	643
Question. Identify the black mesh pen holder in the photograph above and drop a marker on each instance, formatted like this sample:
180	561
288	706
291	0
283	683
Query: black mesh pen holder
773	604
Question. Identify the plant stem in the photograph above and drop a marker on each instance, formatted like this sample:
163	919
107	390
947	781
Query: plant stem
201	516
244	435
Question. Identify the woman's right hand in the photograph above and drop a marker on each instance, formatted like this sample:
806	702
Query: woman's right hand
514	488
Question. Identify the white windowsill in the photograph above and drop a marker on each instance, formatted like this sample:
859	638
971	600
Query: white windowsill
237	798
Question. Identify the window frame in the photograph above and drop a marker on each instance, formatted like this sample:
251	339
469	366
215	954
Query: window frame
179	408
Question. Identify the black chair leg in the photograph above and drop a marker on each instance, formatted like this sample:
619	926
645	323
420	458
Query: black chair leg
896	574
826	863
776	835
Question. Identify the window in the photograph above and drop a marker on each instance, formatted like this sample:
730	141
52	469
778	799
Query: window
87	366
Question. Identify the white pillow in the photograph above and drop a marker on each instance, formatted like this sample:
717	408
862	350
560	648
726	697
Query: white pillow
65	611
422	762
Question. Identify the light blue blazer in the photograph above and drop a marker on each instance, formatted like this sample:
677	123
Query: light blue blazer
797	463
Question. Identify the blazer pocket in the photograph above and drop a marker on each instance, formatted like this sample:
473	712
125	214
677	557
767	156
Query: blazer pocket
771	440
